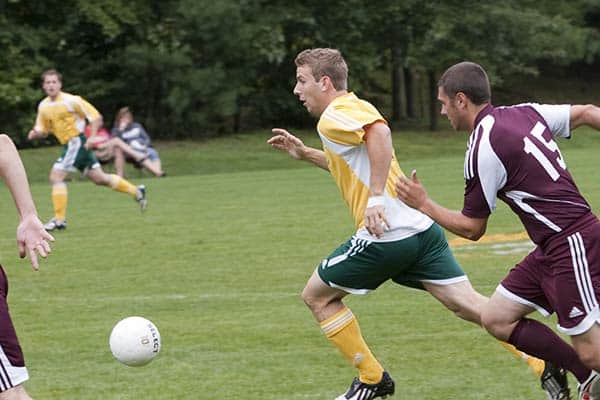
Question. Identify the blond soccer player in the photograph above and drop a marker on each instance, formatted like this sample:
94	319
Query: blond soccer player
65	115
392	241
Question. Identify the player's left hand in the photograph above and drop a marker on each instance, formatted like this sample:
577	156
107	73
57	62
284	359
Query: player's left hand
33	239
375	221
411	191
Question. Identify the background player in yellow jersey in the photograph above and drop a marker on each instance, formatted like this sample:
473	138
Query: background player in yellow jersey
65	115
32	240
392	241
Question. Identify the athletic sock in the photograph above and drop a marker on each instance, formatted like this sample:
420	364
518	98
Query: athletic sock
121	185
343	332
537	339
59	200
535	364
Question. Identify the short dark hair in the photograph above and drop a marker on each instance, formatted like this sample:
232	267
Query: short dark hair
51	72
469	78
325	62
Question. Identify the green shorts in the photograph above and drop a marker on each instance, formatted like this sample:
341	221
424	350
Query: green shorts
359	266
75	156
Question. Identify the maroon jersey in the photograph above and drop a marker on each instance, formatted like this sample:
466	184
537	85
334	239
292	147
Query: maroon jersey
512	155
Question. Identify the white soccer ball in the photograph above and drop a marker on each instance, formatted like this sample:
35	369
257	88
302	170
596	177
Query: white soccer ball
135	341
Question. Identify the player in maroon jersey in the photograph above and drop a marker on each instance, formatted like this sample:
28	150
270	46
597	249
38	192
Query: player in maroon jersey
512	155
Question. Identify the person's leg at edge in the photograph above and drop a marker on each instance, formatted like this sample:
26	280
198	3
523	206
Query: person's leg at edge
15	393
466	303
59	193
505	319
115	182
341	327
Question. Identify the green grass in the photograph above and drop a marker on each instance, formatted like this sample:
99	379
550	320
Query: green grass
218	262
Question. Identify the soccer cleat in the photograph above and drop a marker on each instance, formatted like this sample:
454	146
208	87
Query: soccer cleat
140	197
555	383
363	391
590	389
55	224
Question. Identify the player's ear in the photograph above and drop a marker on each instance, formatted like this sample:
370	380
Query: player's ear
324	82
461	99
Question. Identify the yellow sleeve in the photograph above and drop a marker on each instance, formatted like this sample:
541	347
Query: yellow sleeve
41	123
85	109
345	123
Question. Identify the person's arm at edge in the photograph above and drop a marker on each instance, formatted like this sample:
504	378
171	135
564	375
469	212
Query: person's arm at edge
14	176
412	192
587	114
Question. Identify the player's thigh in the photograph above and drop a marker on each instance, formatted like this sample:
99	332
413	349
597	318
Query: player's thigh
359	266
501	311
316	290
460	298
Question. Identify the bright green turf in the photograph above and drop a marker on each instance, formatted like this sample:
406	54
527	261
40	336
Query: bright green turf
218	262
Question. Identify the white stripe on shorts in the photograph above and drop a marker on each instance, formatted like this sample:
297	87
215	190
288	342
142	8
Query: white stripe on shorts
357	246
68	161
582	272
10	376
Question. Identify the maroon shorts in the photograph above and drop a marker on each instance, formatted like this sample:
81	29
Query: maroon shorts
12	364
562	276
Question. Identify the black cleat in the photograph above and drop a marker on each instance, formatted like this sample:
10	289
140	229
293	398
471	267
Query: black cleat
365	391
555	383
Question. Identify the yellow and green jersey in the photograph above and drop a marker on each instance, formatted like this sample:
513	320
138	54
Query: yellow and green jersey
342	129
65	117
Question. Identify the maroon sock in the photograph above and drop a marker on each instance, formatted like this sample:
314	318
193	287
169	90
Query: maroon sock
536	339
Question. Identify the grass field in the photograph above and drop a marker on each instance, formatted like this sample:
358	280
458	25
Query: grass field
218	262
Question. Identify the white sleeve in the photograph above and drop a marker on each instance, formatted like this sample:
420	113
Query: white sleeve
557	116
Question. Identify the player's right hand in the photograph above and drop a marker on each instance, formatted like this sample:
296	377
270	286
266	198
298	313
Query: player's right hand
285	141
33	239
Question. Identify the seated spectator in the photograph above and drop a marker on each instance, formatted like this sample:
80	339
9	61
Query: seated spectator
134	135
108	148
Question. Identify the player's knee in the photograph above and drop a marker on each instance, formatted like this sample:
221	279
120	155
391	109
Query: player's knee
589	354
312	301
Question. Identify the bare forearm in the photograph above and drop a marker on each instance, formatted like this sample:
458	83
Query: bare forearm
454	221
316	157
14	176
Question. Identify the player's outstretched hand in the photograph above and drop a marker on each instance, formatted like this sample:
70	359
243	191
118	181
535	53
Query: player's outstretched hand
411	191
33	239
285	141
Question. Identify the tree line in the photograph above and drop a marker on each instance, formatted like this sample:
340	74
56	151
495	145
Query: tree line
199	68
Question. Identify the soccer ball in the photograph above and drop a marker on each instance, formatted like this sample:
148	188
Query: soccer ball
135	341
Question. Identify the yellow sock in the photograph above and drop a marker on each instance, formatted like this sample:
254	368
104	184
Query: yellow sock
343	331
59	200
121	185
536	365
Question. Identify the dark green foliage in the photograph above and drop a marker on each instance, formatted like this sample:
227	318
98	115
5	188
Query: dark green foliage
199	68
